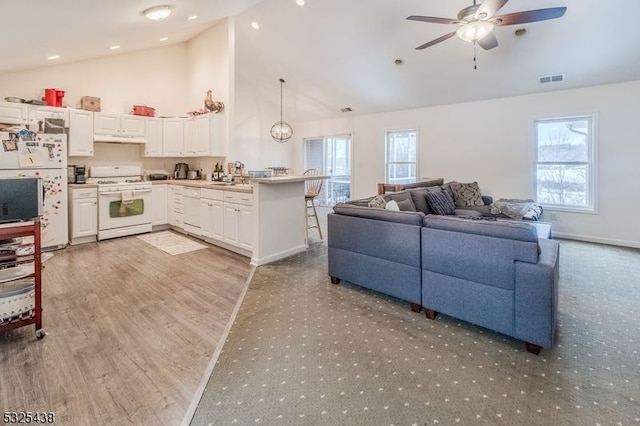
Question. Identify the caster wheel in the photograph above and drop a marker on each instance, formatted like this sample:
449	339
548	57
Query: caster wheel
40	333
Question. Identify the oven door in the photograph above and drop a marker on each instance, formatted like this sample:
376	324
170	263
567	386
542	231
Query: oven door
117	209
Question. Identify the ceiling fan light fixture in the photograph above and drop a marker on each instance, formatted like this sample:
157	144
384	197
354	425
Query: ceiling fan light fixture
157	13
474	31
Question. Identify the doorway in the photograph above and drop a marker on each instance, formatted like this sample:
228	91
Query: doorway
332	156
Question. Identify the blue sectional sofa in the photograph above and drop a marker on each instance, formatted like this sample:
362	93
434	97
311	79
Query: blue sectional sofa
495	274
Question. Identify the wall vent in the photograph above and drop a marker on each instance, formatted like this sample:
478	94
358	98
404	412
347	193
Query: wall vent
347	109
552	78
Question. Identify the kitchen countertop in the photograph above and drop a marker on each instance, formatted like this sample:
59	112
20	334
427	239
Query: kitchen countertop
289	178
82	185
205	184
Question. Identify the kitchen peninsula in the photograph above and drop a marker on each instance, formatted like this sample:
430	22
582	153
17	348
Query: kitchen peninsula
265	221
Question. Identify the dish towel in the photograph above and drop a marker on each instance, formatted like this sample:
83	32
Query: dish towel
127	197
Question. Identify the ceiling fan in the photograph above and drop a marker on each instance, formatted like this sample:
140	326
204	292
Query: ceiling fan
476	22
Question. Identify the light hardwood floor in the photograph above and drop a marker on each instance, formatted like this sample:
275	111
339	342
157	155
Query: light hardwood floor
131	329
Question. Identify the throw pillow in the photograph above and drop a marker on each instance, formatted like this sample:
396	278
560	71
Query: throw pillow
419	198
378	202
406	205
392	205
399	197
466	194
440	202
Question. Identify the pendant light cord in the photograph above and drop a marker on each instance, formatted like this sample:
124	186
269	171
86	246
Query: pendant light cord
281	83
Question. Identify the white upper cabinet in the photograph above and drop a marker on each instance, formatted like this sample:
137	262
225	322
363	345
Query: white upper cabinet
80	133
14	113
173	137
118	125
37	115
190	144
153	147
210	135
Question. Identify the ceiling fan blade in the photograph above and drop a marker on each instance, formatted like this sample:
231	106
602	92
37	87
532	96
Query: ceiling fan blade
436	41
488	42
529	16
433	20
488	8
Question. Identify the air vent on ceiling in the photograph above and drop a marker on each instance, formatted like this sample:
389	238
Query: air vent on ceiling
552	78
347	109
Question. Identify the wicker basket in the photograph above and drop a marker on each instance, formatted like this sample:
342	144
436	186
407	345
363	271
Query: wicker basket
90	103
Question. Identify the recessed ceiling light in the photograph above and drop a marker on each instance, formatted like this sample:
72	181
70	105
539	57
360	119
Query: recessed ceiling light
114	47
300	2
164	39
398	62
255	25
52	57
192	17
157	13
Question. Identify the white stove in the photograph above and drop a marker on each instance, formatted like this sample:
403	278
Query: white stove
124	200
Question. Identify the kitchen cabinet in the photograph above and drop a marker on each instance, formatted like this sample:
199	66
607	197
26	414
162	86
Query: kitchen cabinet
118	125
80	133
189	132
160	201
176	215
153	147
212	214
83	215
208	137
238	219
14	113
191	210
173	137
39	113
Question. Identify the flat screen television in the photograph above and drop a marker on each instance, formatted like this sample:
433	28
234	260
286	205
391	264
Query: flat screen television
21	199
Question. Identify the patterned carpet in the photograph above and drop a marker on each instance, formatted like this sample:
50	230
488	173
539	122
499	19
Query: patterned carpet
304	351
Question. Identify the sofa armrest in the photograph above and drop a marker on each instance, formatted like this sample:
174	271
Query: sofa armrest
536	296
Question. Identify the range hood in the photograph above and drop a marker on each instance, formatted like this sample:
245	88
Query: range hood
119	139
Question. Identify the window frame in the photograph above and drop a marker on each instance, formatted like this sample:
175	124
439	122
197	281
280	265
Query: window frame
591	163
386	153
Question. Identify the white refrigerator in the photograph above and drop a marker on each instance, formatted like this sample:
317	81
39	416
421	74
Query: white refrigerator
29	154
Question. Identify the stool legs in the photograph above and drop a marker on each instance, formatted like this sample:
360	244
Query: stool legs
314	215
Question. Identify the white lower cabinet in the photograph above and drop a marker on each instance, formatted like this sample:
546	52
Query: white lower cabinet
176	215
212	214
83	215
238	219
160	200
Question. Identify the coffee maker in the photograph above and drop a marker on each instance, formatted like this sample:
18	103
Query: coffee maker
81	174
181	170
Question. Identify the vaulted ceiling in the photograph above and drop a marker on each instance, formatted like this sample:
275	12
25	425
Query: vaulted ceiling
342	53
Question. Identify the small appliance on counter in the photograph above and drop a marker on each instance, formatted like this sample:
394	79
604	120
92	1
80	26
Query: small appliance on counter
193	174
181	170
80	174
157	176
71	174
280	171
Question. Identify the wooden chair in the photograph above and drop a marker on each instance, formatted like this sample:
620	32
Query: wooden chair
312	190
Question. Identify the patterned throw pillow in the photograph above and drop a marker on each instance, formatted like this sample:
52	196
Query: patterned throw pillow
378	202
441	202
466	194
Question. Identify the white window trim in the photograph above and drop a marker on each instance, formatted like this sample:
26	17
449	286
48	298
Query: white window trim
594	207
386	159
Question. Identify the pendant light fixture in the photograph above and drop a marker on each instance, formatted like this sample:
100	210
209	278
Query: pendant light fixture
281	132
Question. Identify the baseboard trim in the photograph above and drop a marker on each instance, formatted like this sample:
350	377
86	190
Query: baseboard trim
599	240
277	256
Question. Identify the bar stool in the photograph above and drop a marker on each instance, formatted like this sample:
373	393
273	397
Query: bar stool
312	190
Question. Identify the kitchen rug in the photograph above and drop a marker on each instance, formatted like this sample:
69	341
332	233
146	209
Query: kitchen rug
171	243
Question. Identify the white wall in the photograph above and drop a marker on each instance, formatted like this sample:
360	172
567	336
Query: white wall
155	77
491	142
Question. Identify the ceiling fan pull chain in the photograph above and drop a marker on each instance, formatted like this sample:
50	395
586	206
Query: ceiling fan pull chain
475	51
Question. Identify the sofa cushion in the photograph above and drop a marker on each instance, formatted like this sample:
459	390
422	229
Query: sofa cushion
502	229
419	198
409	218
440	202
377	202
466	194
403	198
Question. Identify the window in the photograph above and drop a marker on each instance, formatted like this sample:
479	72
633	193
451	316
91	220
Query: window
332	156
401	156
565	162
